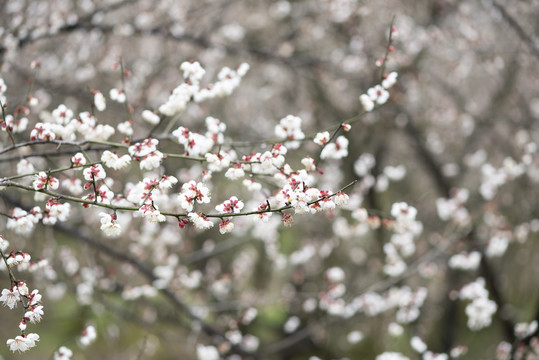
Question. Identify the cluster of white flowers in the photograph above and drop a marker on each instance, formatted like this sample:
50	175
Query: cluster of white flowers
335	150
465	261
3	89
391	356
23	222
201	222
24	166
23	343
231	206
20	293
228	81
15	125
523	329
193	192
60	124
43	181
126	128
378	95
401	245
196	144
321	138
218	162
89	335
481	309
303	198
100	102
63	353
207	352
135	292
453	208
146	152
117	95
78	160
151	189
55	211
150	117
111	160
498	244
151	212
419	346
289	128
94	173
493	178
9	122
109	225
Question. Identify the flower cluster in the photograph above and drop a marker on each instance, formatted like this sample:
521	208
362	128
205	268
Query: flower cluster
146	153
19	293
481	309
191	90
193	192
44	181
378	95
289	128
109	225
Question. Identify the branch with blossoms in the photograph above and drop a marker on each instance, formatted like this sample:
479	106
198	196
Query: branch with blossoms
292	189
18	293
124	186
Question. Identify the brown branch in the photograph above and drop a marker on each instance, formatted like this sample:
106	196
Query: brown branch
526	39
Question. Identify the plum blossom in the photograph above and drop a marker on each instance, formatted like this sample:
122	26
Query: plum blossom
44	181
95	172
201	222
74	186
114	161
25	167
226	226
54	211
23	222
378	94
150	211
78	159
480	312
150	117
34	314
126	128
117	95
10	298
235	172
23	343
389	80
366	102
4	244
15	125
322	138
289	128
336	150
465	261
109	226
195	144
63	354
192	71
192	192
99	101
62	114
207	352
89	335
231	206
391	356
